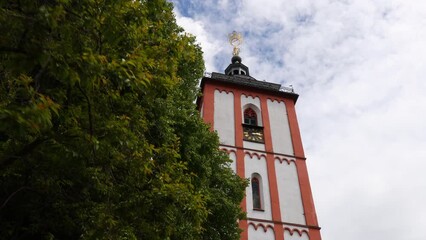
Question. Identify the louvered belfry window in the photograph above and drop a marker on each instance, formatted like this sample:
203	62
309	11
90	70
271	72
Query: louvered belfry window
250	117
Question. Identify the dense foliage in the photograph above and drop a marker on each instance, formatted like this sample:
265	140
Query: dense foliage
99	135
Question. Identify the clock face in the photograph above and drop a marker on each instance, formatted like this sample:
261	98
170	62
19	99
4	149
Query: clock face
253	134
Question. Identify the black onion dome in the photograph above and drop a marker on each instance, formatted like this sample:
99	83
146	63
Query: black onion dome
236	67
236	59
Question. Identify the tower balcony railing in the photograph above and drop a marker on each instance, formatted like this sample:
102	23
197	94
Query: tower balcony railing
207	74
288	89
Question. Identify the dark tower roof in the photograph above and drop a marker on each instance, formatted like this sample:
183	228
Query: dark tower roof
236	67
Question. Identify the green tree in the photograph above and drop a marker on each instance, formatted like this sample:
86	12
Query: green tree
99	135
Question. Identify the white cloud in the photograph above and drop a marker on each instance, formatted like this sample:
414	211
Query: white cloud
209	44
360	69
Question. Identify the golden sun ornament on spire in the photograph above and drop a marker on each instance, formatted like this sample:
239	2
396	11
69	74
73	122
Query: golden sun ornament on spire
235	39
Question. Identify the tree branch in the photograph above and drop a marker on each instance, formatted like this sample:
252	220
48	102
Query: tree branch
12	50
23	152
39	74
89	112
11	196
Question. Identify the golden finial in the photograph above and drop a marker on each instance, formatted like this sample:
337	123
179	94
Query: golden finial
235	39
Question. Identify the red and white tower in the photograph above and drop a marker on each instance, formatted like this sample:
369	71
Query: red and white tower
257	125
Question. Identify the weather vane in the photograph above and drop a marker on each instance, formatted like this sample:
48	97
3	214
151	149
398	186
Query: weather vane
235	39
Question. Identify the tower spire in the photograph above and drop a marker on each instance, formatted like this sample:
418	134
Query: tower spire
236	67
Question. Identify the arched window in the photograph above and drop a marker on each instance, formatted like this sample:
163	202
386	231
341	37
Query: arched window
252	125
255	189
250	117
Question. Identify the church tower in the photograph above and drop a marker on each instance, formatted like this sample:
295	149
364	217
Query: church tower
257	126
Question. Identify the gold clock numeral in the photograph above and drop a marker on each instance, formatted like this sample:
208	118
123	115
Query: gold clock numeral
253	133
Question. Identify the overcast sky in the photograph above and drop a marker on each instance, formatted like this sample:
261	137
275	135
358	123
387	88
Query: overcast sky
359	67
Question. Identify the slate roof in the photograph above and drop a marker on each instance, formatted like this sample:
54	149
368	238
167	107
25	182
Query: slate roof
243	80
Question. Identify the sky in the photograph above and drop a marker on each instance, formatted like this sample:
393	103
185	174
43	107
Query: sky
359	67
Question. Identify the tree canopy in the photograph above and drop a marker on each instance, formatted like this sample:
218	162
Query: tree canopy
99	134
